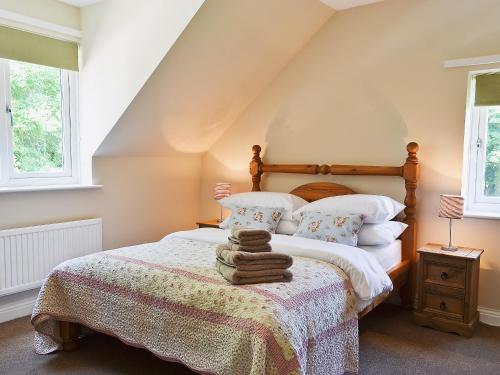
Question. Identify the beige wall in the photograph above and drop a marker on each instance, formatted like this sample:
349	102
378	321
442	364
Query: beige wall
369	82
47	10
142	199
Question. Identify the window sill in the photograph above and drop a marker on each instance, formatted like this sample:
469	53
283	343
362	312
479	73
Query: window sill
21	189
482	215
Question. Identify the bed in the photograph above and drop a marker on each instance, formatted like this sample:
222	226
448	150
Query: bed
168	298
402	274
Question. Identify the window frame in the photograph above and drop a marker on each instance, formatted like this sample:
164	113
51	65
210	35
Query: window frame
70	174
474	160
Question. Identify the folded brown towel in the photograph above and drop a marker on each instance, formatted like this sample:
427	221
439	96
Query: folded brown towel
245	261
245	242
250	249
236	277
250	234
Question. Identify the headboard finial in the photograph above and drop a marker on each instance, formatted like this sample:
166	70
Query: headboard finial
256	167
256	150
412	149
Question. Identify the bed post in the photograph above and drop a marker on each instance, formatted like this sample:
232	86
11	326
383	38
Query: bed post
410	174
256	168
69	334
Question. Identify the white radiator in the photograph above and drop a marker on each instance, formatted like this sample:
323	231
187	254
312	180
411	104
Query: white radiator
27	255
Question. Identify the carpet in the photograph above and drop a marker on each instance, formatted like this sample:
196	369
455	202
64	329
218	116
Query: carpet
389	344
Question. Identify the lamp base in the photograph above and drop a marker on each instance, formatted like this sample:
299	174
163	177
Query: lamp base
446	248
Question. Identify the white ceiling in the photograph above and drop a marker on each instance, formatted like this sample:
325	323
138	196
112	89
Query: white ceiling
335	4
80	3
346	4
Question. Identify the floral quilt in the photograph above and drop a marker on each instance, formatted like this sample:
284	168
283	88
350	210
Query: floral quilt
168	298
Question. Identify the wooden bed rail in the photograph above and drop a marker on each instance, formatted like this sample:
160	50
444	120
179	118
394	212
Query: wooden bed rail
334	169
409	171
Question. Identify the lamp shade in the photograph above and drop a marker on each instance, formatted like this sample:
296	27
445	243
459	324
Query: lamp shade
222	190
451	206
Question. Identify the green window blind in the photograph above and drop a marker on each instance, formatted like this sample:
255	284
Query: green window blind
488	89
37	49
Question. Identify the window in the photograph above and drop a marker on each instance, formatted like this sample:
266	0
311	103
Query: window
38	133
481	182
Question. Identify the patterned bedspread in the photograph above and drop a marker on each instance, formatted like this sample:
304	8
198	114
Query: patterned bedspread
168	298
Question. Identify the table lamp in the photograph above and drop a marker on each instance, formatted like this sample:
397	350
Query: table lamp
451	207
221	190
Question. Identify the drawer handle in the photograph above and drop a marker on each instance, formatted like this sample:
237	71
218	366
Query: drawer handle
444	275
442	305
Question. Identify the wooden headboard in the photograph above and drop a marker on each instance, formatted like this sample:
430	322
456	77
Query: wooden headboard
409	171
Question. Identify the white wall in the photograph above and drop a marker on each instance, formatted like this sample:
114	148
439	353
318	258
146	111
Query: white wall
47	10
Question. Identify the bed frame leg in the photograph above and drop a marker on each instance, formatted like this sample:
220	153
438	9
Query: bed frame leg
405	295
69	334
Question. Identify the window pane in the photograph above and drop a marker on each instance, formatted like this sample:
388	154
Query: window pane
492	172
36	114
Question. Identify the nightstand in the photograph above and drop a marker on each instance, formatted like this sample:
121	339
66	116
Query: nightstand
211	223
447	287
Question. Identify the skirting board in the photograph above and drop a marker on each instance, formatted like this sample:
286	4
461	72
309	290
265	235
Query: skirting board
25	307
489	316
17	309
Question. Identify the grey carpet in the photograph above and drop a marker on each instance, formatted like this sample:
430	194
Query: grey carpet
389	344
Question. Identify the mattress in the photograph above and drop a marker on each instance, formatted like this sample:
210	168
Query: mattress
387	255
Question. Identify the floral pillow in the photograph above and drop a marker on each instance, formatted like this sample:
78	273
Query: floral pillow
266	218
330	227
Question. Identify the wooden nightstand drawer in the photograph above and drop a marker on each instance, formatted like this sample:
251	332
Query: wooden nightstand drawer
451	273
452	307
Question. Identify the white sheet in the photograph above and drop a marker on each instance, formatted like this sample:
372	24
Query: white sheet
387	255
367	276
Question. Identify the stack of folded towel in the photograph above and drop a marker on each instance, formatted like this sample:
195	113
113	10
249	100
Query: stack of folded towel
249	240
247	259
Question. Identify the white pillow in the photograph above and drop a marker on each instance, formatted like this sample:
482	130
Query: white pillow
380	234
225	223
376	208
287	227
288	202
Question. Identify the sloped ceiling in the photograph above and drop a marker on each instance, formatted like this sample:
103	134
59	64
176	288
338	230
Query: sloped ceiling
227	54
347	4
80	3
123	42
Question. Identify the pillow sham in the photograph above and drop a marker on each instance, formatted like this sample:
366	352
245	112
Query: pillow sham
380	234
266	218
330	227
287	227
375	208
288	202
